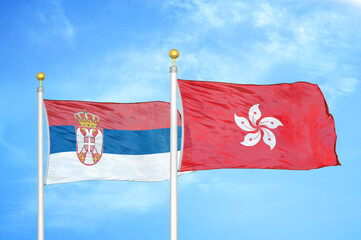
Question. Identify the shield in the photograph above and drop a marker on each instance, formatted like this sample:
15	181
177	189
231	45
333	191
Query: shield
89	145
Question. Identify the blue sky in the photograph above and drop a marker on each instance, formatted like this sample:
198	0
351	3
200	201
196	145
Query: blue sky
118	51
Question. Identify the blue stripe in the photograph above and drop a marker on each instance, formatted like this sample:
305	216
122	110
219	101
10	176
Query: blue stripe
62	139
129	142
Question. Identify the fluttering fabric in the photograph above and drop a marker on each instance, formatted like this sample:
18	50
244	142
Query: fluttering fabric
281	126
108	141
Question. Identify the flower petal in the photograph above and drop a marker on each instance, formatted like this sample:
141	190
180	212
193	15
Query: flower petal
270	122
269	138
243	123
254	114
251	139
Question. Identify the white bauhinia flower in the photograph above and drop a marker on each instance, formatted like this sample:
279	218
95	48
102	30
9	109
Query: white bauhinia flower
252	139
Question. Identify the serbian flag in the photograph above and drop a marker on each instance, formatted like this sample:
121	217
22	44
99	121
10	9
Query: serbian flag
108	141
281	126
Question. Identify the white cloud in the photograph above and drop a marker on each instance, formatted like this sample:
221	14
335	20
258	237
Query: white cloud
338	87
211	13
348	85
228	41
133	75
267	16
313	43
356	3
52	22
82	205
306	41
13	152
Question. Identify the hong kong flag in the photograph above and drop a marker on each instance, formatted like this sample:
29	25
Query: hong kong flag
281	126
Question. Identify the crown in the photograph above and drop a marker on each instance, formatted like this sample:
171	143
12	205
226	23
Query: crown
86	119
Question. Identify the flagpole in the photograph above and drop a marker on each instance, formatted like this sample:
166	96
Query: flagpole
40	76
173	148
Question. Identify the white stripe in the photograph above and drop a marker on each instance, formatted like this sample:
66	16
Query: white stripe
66	167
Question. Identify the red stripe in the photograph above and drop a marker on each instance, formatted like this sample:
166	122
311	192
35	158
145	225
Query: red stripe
120	116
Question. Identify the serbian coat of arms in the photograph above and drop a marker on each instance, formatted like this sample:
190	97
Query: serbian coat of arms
89	138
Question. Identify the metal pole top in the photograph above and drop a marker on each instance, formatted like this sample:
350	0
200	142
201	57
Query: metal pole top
40	76
173	54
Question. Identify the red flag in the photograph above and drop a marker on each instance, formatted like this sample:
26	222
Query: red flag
281	126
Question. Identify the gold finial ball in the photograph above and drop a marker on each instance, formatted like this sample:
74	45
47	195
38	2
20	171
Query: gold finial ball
40	76
173	53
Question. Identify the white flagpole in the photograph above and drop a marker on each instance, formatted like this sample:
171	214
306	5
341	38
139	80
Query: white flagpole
173	148
40	76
